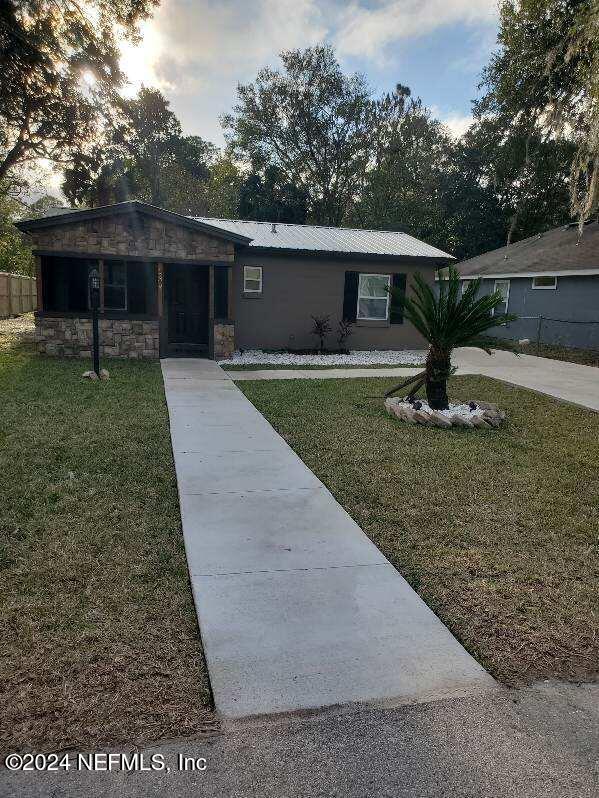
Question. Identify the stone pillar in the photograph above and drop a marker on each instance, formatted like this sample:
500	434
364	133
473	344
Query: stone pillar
223	337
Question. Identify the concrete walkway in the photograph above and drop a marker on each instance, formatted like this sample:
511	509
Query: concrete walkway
297	607
567	381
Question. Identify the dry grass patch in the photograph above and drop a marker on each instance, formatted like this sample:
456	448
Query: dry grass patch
99	641
497	530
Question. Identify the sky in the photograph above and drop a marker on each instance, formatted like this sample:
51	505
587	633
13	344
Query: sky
197	51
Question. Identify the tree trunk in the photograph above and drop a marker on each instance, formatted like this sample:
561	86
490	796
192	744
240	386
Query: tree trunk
438	367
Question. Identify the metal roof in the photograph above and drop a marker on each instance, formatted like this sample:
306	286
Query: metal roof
312	238
267	235
557	250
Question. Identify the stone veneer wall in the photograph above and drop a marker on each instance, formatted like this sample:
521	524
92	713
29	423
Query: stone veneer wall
140	236
224	340
72	337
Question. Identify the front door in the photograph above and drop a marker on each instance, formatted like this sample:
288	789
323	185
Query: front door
187	308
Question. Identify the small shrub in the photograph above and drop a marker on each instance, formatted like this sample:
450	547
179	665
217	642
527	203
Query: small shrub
345	328
321	328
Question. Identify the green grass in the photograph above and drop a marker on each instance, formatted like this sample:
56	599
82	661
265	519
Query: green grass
584	357
276	366
98	641
497	530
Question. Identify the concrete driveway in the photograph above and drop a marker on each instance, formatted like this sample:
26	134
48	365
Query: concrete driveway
568	381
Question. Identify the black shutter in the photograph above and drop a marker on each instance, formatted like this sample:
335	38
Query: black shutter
350	296
221	292
397	297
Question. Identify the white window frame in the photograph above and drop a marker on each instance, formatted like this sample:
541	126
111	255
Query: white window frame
370	318
544	287
507	298
247	290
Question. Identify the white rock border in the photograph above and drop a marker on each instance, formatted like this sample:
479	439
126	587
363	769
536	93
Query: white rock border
485	415
398	357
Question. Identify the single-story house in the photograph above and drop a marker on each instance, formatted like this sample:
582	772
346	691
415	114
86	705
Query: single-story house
179	285
550	281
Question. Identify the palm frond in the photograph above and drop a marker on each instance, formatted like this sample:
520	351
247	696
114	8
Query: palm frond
450	318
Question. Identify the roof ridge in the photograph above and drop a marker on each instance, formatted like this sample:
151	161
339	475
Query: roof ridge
302	224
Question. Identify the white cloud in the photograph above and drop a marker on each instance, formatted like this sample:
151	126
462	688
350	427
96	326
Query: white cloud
457	124
367	30
198	50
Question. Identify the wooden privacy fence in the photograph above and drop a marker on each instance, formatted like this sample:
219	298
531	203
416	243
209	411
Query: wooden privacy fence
18	294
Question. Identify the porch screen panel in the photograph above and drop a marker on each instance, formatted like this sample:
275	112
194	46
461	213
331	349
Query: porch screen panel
65	284
141	293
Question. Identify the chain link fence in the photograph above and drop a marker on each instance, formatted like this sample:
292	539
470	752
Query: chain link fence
550	331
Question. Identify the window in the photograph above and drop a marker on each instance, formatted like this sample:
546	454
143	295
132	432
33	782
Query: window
544	282
373	297
503	287
252	279
115	285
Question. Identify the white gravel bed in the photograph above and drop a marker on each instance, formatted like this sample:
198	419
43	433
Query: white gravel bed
411	357
454	409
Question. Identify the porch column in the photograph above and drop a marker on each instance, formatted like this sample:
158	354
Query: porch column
38	283
162	321
160	289
222	327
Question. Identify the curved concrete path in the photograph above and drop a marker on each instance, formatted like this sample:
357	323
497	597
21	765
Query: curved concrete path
567	381
297	607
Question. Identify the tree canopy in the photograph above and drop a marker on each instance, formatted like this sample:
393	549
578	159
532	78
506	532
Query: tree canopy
59	73
544	82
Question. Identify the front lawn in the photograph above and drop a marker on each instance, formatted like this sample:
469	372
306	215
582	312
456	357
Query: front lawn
497	530
98	641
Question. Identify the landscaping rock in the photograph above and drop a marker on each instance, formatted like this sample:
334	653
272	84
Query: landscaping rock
104	374
390	403
90	375
439	420
404	414
492	418
487	406
422	417
478	421
460	421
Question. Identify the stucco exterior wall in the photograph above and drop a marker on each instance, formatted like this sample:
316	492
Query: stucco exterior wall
575	300
137	236
294	288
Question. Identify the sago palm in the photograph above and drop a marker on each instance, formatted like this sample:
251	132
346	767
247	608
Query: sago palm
447	320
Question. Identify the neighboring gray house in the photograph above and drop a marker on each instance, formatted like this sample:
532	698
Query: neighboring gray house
173	284
550	281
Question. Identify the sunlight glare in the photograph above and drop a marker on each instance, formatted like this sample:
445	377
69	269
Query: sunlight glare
138	62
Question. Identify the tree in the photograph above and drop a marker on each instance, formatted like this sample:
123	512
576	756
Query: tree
402	190
497	187
60	72
15	252
544	80
223	187
448	319
312	122
271	198
143	155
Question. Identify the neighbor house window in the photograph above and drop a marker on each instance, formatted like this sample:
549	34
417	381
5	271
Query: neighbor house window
373	297
544	282
252	279
502	287
115	285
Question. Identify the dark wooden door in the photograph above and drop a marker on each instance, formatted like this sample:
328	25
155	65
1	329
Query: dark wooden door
187	308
